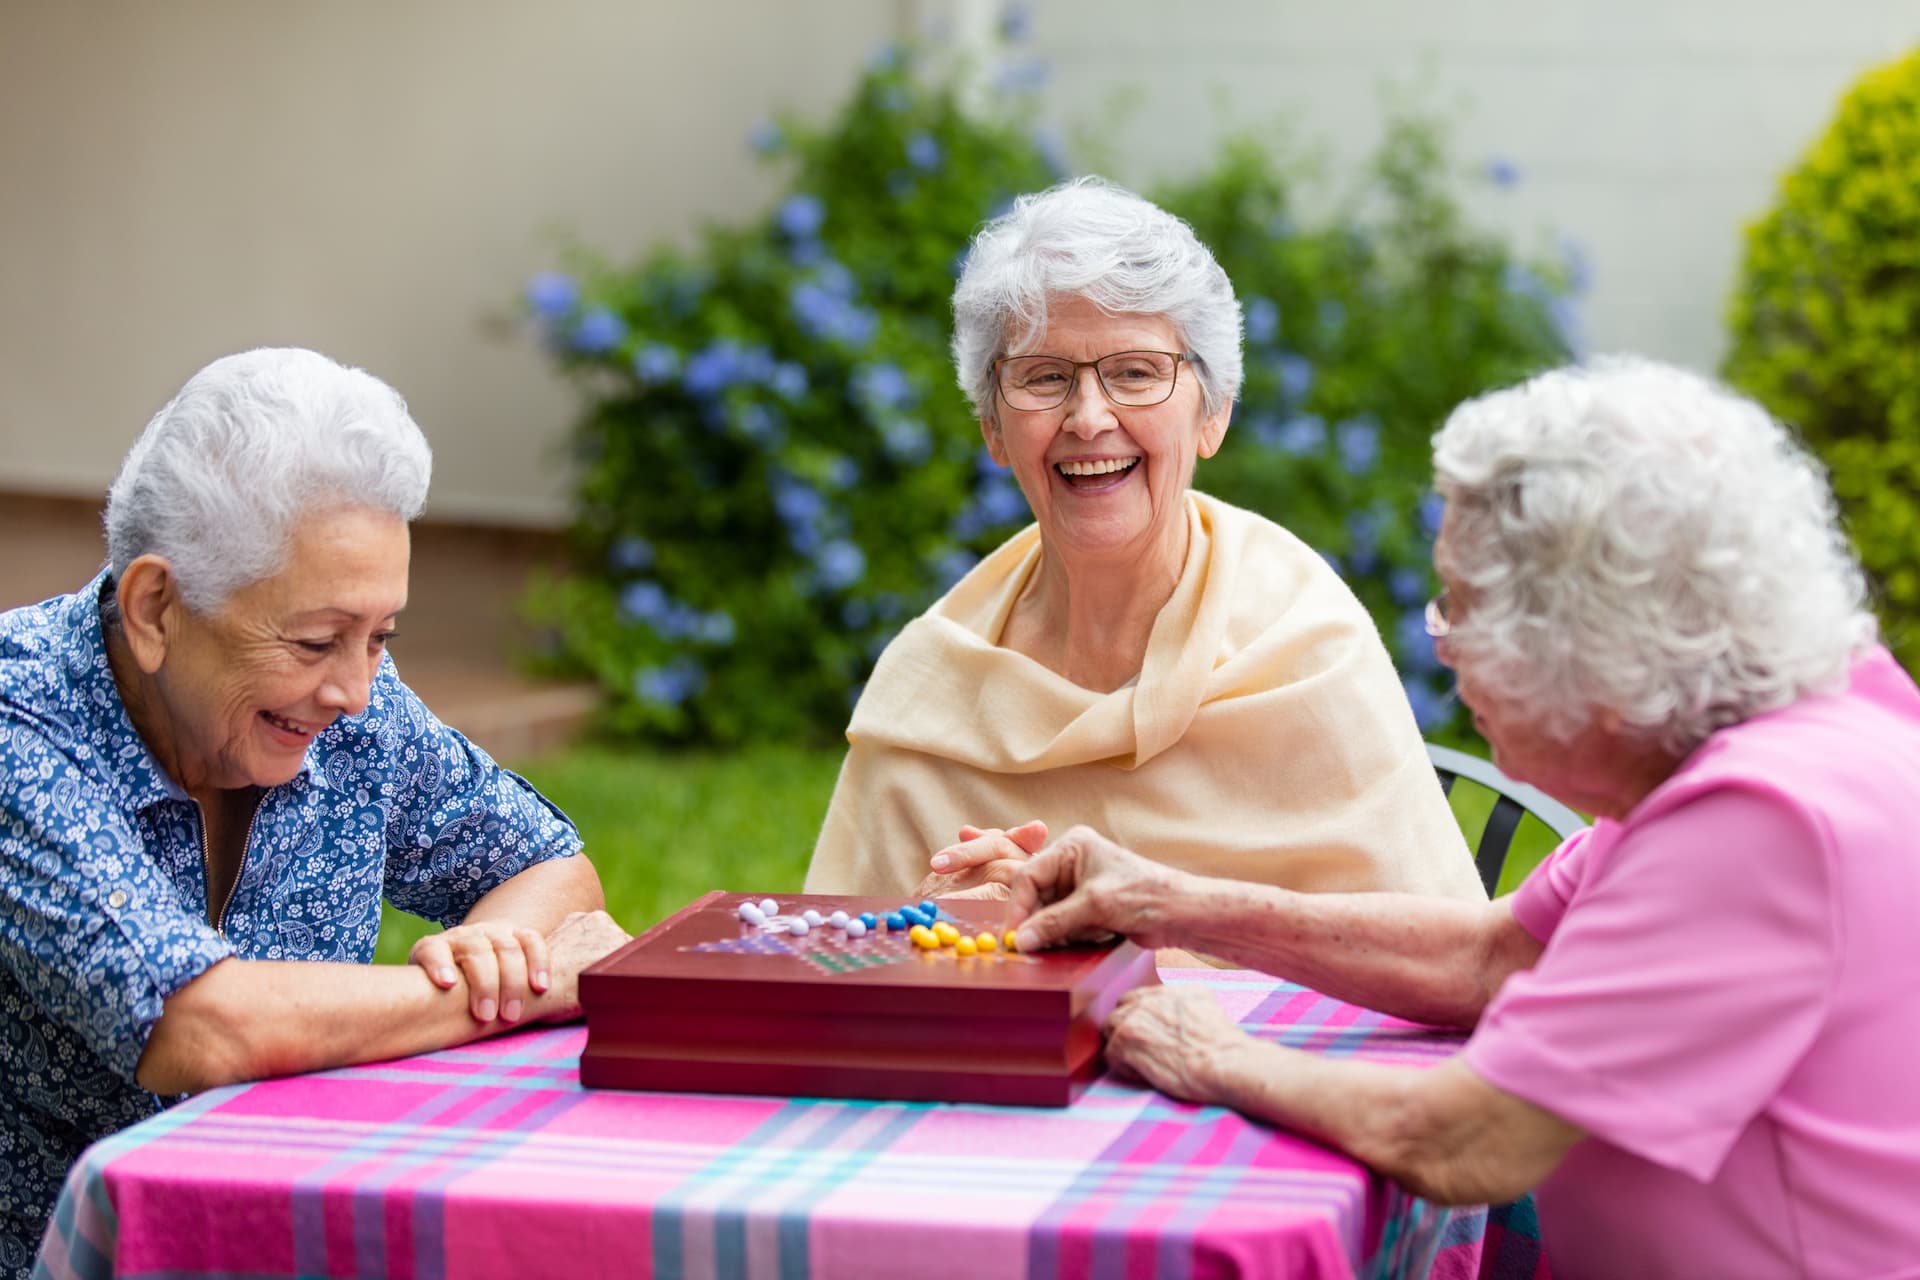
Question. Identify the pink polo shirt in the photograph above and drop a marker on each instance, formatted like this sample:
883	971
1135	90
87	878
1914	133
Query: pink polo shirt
1729	1004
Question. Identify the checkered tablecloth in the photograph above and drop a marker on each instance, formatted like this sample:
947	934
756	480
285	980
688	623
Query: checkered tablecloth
491	1160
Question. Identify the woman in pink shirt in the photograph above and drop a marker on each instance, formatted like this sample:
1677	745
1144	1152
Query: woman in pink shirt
1694	1025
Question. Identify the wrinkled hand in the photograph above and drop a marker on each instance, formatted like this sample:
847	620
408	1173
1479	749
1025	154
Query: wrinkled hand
1173	1038
575	943
506	966
1084	885
983	863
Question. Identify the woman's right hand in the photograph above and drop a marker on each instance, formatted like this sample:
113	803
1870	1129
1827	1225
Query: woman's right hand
983	863
576	942
1084	885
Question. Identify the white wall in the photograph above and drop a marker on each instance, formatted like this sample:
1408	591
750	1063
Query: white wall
377	180
1647	132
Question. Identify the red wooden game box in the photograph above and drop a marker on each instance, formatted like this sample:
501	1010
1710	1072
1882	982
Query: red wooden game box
704	1002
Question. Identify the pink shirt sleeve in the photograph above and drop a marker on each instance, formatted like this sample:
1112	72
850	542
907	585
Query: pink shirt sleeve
1542	897
1687	972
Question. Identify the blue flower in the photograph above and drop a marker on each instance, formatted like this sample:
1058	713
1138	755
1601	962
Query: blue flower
712	369
1430	709
825	314
1407	586
795	501
1021	75
645	601
893	99
1502	172
887	57
984	467
1359	441
1302	434
952	565
1296	375
598	330
756	364
801	216
1333	561
788	380
759	423
907	440
672	684
1578	266
767	138
1564	313
656	363
1016	22
834	277
630	555
856	613
717	628
1432	509
1263	320
840	564
1518	277
995	502
807	253
923	152
1413	642
842	472
553	295
882	387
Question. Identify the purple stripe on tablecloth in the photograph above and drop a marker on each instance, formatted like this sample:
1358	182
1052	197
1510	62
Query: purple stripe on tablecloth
669	1211
307	1197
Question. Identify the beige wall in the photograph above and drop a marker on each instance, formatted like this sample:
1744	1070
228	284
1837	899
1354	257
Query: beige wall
375	180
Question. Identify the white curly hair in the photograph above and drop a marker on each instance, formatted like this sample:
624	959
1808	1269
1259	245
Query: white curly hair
1091	239
252	444
1641	540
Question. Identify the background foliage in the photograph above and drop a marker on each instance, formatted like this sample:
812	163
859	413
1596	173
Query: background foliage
1826	324
778	469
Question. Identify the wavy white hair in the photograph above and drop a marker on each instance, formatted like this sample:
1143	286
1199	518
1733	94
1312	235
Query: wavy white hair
1641	540
252	444
1091	239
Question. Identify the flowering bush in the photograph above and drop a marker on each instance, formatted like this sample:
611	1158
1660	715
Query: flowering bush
1826	325
777	469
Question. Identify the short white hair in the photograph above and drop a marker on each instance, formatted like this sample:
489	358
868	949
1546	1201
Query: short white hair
1641	540
250	445
1091	239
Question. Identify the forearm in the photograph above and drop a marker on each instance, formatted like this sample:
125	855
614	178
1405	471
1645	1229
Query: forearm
1433	960
1441	1132
249	1019
543	895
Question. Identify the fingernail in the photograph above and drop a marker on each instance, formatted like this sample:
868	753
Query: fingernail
542	980
512	1012
487	1010
445	976
1026	939
940	861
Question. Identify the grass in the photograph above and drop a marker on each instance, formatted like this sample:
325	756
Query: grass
664	827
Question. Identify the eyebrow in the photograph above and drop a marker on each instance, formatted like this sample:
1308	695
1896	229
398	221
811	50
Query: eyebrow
334	611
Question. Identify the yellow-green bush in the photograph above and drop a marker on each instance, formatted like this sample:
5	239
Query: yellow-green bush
1826	325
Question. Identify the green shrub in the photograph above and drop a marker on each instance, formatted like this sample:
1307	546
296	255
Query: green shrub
777	469
1826	324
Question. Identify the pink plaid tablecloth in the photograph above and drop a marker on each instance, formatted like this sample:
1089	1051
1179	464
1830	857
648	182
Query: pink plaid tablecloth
491	1160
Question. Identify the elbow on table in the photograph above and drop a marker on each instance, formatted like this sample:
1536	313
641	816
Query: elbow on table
207	1036
1420	1142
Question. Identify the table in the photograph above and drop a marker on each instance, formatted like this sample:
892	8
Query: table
490	1160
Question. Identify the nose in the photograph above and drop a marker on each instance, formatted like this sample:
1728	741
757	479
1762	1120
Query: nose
349	684
1089	412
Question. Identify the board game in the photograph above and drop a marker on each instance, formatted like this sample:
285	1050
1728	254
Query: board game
837	996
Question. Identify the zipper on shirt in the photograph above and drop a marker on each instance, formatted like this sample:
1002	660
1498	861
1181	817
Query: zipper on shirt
206	862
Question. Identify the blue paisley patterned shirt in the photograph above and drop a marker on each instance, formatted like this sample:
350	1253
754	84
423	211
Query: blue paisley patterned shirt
103	905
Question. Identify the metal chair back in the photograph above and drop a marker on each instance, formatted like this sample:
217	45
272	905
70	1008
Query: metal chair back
1512	802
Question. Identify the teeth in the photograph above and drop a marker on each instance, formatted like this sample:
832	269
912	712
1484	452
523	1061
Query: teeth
1102	467
288	725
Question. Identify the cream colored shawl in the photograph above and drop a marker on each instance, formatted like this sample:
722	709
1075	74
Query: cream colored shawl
1267	737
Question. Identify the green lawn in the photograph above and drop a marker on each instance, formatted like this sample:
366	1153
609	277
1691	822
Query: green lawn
664	827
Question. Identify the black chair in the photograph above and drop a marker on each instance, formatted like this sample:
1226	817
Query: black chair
1512	802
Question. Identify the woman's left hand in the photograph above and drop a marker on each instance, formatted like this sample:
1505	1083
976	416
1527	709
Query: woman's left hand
1174	1038
983	863
505	966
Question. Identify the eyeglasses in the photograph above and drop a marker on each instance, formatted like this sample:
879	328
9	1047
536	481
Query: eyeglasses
1133	379
1439	625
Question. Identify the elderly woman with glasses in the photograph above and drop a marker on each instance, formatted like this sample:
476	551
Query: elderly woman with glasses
1142	658
209	770
1693	1024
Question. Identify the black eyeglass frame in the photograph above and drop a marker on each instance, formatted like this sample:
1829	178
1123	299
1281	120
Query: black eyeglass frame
1178	358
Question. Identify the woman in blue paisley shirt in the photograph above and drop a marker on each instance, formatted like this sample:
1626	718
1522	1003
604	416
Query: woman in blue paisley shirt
210	776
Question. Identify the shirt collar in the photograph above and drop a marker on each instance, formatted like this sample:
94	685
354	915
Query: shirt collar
143	781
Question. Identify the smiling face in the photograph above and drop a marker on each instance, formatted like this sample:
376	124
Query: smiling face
241	694
1106	480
